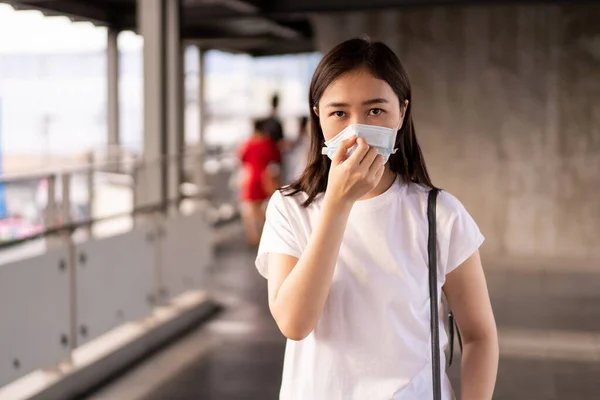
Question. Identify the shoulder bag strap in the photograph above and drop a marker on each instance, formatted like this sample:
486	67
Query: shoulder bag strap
433	295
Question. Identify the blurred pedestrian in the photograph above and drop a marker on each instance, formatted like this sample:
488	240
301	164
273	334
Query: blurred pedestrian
272	124
298	154
274	128
261	161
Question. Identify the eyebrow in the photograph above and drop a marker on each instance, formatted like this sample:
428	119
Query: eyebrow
370	102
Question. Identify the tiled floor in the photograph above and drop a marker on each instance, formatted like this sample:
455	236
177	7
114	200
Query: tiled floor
243	350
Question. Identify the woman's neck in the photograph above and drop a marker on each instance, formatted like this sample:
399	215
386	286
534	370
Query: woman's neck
386	181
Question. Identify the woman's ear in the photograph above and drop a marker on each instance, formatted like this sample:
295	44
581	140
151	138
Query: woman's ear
404	109
316	111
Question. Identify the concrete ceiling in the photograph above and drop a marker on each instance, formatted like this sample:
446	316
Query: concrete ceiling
257	27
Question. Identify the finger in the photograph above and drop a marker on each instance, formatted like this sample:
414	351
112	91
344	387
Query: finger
378	161
377	173
368	159
377	166
348	143
345	145
360	152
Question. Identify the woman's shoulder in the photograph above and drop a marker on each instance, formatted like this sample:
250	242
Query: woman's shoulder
286	197
448	205
285	205
290	199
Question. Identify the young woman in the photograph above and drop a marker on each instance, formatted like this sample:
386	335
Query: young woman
345	248
260	158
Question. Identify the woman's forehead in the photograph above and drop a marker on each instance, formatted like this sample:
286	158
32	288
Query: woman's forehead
357	87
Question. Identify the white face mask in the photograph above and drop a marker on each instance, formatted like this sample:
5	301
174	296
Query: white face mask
383	139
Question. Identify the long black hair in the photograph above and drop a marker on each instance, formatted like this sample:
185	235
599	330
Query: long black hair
408	161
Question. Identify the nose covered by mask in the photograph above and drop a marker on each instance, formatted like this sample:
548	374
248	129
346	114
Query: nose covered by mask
383	139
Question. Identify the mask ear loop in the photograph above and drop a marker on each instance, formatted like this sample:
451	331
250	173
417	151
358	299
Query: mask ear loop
397	130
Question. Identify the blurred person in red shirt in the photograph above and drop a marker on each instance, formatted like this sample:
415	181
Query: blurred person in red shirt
261	161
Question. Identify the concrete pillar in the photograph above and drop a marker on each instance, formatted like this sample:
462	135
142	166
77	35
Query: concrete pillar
152	177
200	178
112	57
175	101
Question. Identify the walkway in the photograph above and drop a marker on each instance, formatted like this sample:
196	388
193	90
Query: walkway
549	330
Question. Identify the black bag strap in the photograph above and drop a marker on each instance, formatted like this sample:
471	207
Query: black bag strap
452	327
451	324
433	295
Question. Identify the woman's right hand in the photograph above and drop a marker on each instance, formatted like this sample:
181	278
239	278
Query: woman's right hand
353	177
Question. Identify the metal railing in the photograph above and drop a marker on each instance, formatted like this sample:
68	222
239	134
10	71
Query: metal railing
93	286
57	218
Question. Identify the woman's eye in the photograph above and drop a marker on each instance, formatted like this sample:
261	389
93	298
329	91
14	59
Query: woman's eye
338	114
375	111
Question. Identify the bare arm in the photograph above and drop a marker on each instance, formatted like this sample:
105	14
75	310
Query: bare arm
467	294
298	288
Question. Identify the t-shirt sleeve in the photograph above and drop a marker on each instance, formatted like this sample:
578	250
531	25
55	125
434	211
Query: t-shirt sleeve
278	235
464	235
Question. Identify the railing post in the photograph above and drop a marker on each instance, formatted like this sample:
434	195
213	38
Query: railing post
138	176
50	211
72	268
65	205
90	190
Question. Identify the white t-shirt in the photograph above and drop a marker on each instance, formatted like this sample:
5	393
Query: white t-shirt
372	341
